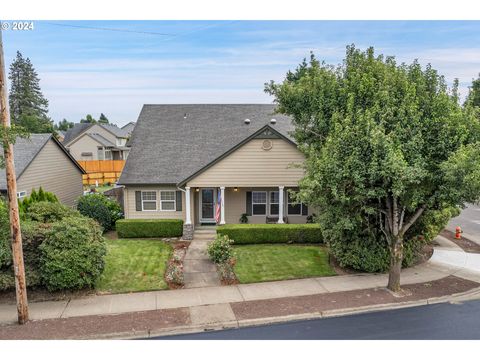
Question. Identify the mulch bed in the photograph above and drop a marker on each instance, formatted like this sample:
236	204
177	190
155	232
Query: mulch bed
348	299
466	244
97	326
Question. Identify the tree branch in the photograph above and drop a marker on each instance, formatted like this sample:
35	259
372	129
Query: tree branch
412	220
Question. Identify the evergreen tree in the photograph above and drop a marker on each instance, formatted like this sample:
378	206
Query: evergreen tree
103	119
64	125
473	98
88	119
28	106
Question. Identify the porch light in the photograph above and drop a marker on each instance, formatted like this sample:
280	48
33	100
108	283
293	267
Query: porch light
197	189
235	189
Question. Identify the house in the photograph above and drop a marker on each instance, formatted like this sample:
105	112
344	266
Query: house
87	141
42	160
128	128
185	157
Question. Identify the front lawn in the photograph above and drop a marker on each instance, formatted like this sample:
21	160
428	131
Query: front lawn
257	263
134	265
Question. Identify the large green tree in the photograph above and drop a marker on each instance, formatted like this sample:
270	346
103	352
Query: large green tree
103	119
64	125
28	106
387	145
473	98
88	119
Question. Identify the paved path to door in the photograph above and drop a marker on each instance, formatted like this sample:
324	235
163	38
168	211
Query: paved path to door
199	271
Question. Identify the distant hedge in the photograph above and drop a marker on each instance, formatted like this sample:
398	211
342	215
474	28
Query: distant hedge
272	233
144	228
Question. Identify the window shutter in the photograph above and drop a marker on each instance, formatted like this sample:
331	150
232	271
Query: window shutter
249	203
179	200
138	200
304	210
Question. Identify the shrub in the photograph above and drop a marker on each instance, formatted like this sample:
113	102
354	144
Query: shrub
47	212
220	250
40	196
100	208
72	254
272	233
5	247
144	228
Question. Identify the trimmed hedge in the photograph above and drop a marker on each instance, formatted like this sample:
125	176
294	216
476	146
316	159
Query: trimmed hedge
272	233
145	228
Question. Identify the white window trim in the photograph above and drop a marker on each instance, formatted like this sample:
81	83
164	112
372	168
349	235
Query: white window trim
273	203
21	194
156	200
174	201
293	203
266	203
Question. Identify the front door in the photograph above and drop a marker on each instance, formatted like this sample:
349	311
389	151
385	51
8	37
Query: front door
207	205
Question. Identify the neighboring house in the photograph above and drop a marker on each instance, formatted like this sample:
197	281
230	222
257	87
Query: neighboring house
128	128
60	135
97	142
41	160
184	155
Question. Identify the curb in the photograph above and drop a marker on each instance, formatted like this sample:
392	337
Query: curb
295	317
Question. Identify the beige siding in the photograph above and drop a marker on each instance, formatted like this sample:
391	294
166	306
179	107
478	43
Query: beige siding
250	165
132	213
84	144
54	172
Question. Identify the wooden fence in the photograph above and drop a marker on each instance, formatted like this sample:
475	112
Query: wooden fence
101	171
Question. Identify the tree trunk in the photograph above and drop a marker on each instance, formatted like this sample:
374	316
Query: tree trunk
396	257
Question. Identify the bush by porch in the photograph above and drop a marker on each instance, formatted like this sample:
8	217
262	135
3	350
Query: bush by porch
146	228
272	233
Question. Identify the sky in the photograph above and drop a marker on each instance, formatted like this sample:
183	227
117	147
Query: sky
114	67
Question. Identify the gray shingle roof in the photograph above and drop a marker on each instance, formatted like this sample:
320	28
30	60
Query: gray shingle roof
168	148
118	132
77	129
101	140
25	150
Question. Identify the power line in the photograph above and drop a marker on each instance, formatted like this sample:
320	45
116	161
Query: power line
109	29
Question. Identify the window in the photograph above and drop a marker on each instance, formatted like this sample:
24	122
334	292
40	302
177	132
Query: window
108	154
293	207
21	194
274	199
259	203
121	142
100	153
167	200
149	200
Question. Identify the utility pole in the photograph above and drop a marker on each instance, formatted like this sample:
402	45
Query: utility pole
17	249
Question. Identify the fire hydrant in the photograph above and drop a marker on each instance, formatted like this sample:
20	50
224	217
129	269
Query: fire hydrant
458	233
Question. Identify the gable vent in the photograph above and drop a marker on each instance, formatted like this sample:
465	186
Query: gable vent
273	121
246	121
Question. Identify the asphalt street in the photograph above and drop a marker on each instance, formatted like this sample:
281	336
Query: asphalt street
430	322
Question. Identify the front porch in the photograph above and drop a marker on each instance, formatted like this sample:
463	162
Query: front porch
256	205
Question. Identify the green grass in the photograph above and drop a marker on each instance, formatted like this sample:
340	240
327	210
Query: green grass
100	189
134	265
256	263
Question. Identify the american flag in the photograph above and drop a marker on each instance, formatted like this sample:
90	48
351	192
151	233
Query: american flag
217	208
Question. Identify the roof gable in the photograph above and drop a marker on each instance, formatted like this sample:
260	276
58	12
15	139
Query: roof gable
26	150
170	143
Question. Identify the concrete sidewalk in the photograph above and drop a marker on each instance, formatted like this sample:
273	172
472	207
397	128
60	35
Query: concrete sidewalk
439	267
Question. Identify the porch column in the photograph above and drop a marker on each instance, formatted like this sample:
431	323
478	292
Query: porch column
222	205
280	204
188	219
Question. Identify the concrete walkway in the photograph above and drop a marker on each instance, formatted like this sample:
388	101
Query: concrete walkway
213	301
198	270
451	255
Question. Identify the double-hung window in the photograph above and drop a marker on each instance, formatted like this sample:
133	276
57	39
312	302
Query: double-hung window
274	199
149	200
293	207
167	200
259	203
